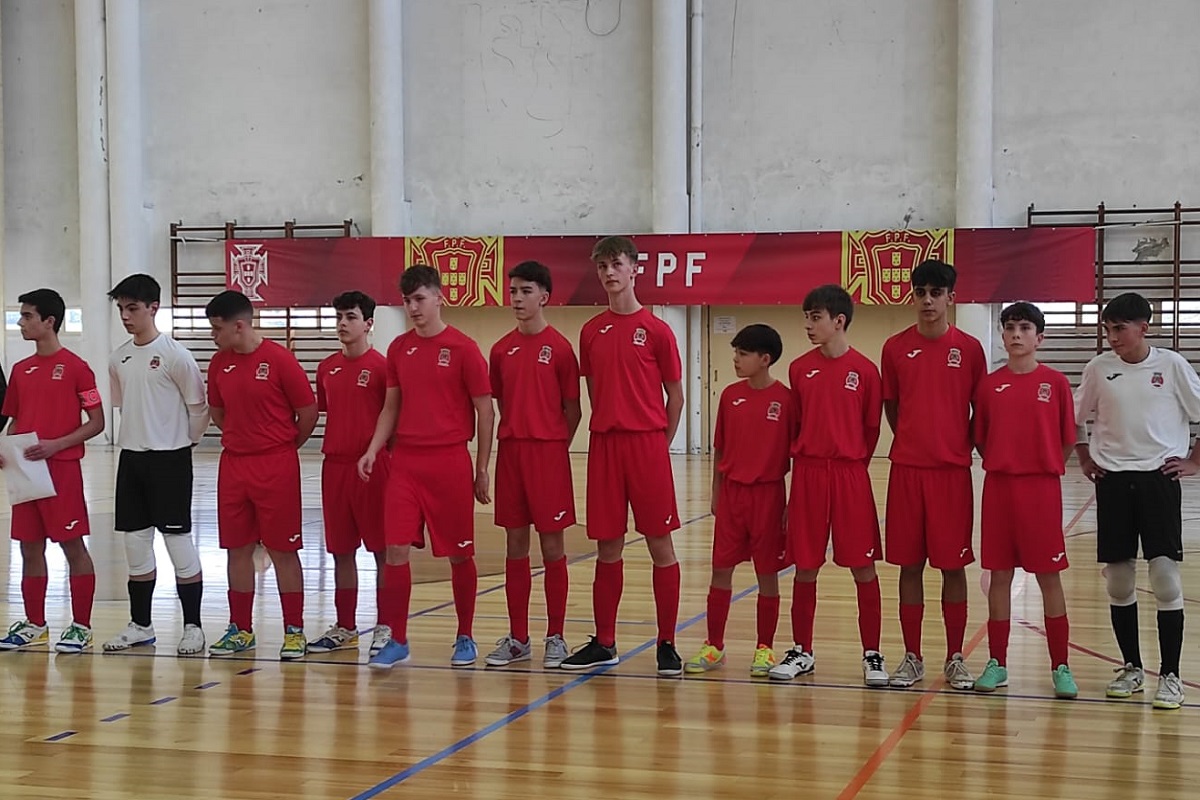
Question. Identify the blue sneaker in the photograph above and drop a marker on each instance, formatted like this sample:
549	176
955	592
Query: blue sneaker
464	652
390	655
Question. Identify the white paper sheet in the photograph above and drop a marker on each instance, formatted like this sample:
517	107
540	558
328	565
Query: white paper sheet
26	480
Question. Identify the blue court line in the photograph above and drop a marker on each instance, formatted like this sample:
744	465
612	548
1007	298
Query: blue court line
163	700
58	737
248	671
208	685
115	717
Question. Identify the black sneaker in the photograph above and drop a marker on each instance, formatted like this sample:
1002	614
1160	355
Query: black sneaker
592	654
669	662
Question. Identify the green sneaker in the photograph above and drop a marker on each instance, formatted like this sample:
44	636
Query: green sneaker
995	677
1064	683
294	644
708	658
233	641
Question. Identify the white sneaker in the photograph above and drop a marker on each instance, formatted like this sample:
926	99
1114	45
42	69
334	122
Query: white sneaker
1170	692
380	638
134	635
957	674
192	642
910	671
795	662
556	651
1129	681
874	672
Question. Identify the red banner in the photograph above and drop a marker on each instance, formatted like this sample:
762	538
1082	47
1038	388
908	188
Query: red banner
994	265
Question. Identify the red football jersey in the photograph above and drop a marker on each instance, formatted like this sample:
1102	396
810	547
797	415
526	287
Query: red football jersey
437	377
1024	421
350	391
628	357
260	392
531	377
755	431
839	403
934	381
46	395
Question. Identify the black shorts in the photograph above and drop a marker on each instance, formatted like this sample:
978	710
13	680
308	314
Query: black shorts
154	490
1133	506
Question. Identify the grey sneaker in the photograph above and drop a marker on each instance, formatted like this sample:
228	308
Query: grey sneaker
910	671
556	651
957	674
508	651
1170	692
875	673
795	662
379	638
134	635
1129	681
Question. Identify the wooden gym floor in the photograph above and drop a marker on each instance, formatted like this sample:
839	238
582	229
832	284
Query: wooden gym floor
147	724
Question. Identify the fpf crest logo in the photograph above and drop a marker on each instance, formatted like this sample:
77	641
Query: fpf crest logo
248	270
877	265
469	266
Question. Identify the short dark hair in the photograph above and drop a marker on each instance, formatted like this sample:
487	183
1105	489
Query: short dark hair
420	276
932	272
363	302
534	272
761	339
140	287
831	299
48	303
229	305
1024	312
614	246
1128	307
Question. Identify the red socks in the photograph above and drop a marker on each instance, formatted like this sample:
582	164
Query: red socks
1058	637
606	598
345	602
998	630
241	609
293	609
33	591
518	583
83	590
719	601
768	619
464	580
556	580
870	614
804	611
666	600
396	594
955	615
911	616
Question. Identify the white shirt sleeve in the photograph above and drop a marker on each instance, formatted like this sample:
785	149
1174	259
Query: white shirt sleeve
1187	388
186	374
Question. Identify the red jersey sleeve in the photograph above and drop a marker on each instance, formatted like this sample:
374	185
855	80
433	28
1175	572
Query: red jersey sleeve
872	407
585	365
666	353
296	387
719	431
496	379
85	386
214	385
979	364
12	397
568	372
890	384
980	421
475	372
322	370
1066	410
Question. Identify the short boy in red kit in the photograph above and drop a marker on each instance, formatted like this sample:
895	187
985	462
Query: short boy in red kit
1024	429
756	424
438	393
930	371
46	395
260	398
837	395
630	359
535	382
350	389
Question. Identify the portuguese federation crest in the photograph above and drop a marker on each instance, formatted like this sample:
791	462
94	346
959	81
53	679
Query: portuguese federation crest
248	270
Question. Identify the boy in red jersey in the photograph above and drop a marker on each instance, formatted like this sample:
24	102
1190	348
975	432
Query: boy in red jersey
629	357
930	371
45	395
261	400
437	389
837	395
756	424
350	389
1024	429
535	381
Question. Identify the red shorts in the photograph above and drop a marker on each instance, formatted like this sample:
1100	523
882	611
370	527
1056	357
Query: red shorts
930	516
749	526
352	507
60	518
258	500
1022	525
832	497
533	485
432	489
630	468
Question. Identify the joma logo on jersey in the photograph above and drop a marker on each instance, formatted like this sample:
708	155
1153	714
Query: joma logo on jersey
852	381
639	337
774	410
57	375
155	362
1044	392
954	357
544	354
1156	380
263	372
364	377
444	357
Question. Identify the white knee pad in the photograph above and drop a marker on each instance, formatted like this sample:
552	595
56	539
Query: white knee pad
139	551
1121	582
1167	584
183	554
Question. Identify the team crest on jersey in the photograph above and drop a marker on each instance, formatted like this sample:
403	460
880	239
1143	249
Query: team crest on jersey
155	362
1044	392
852	381
954	357
639	337
264	371
57	375
364	377
544	354
774	410
444	357
1156	380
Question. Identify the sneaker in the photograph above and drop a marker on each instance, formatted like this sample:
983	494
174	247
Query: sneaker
75	639
707	659
508	651
592	654
465	652
232	641
134	635
957	674
1064	683
994	677
25	634
1129	681
1170	692
669	662
764	661
910	671
875	674
192	641
294	644
556	651
391	654
795	663
379	638
336	638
